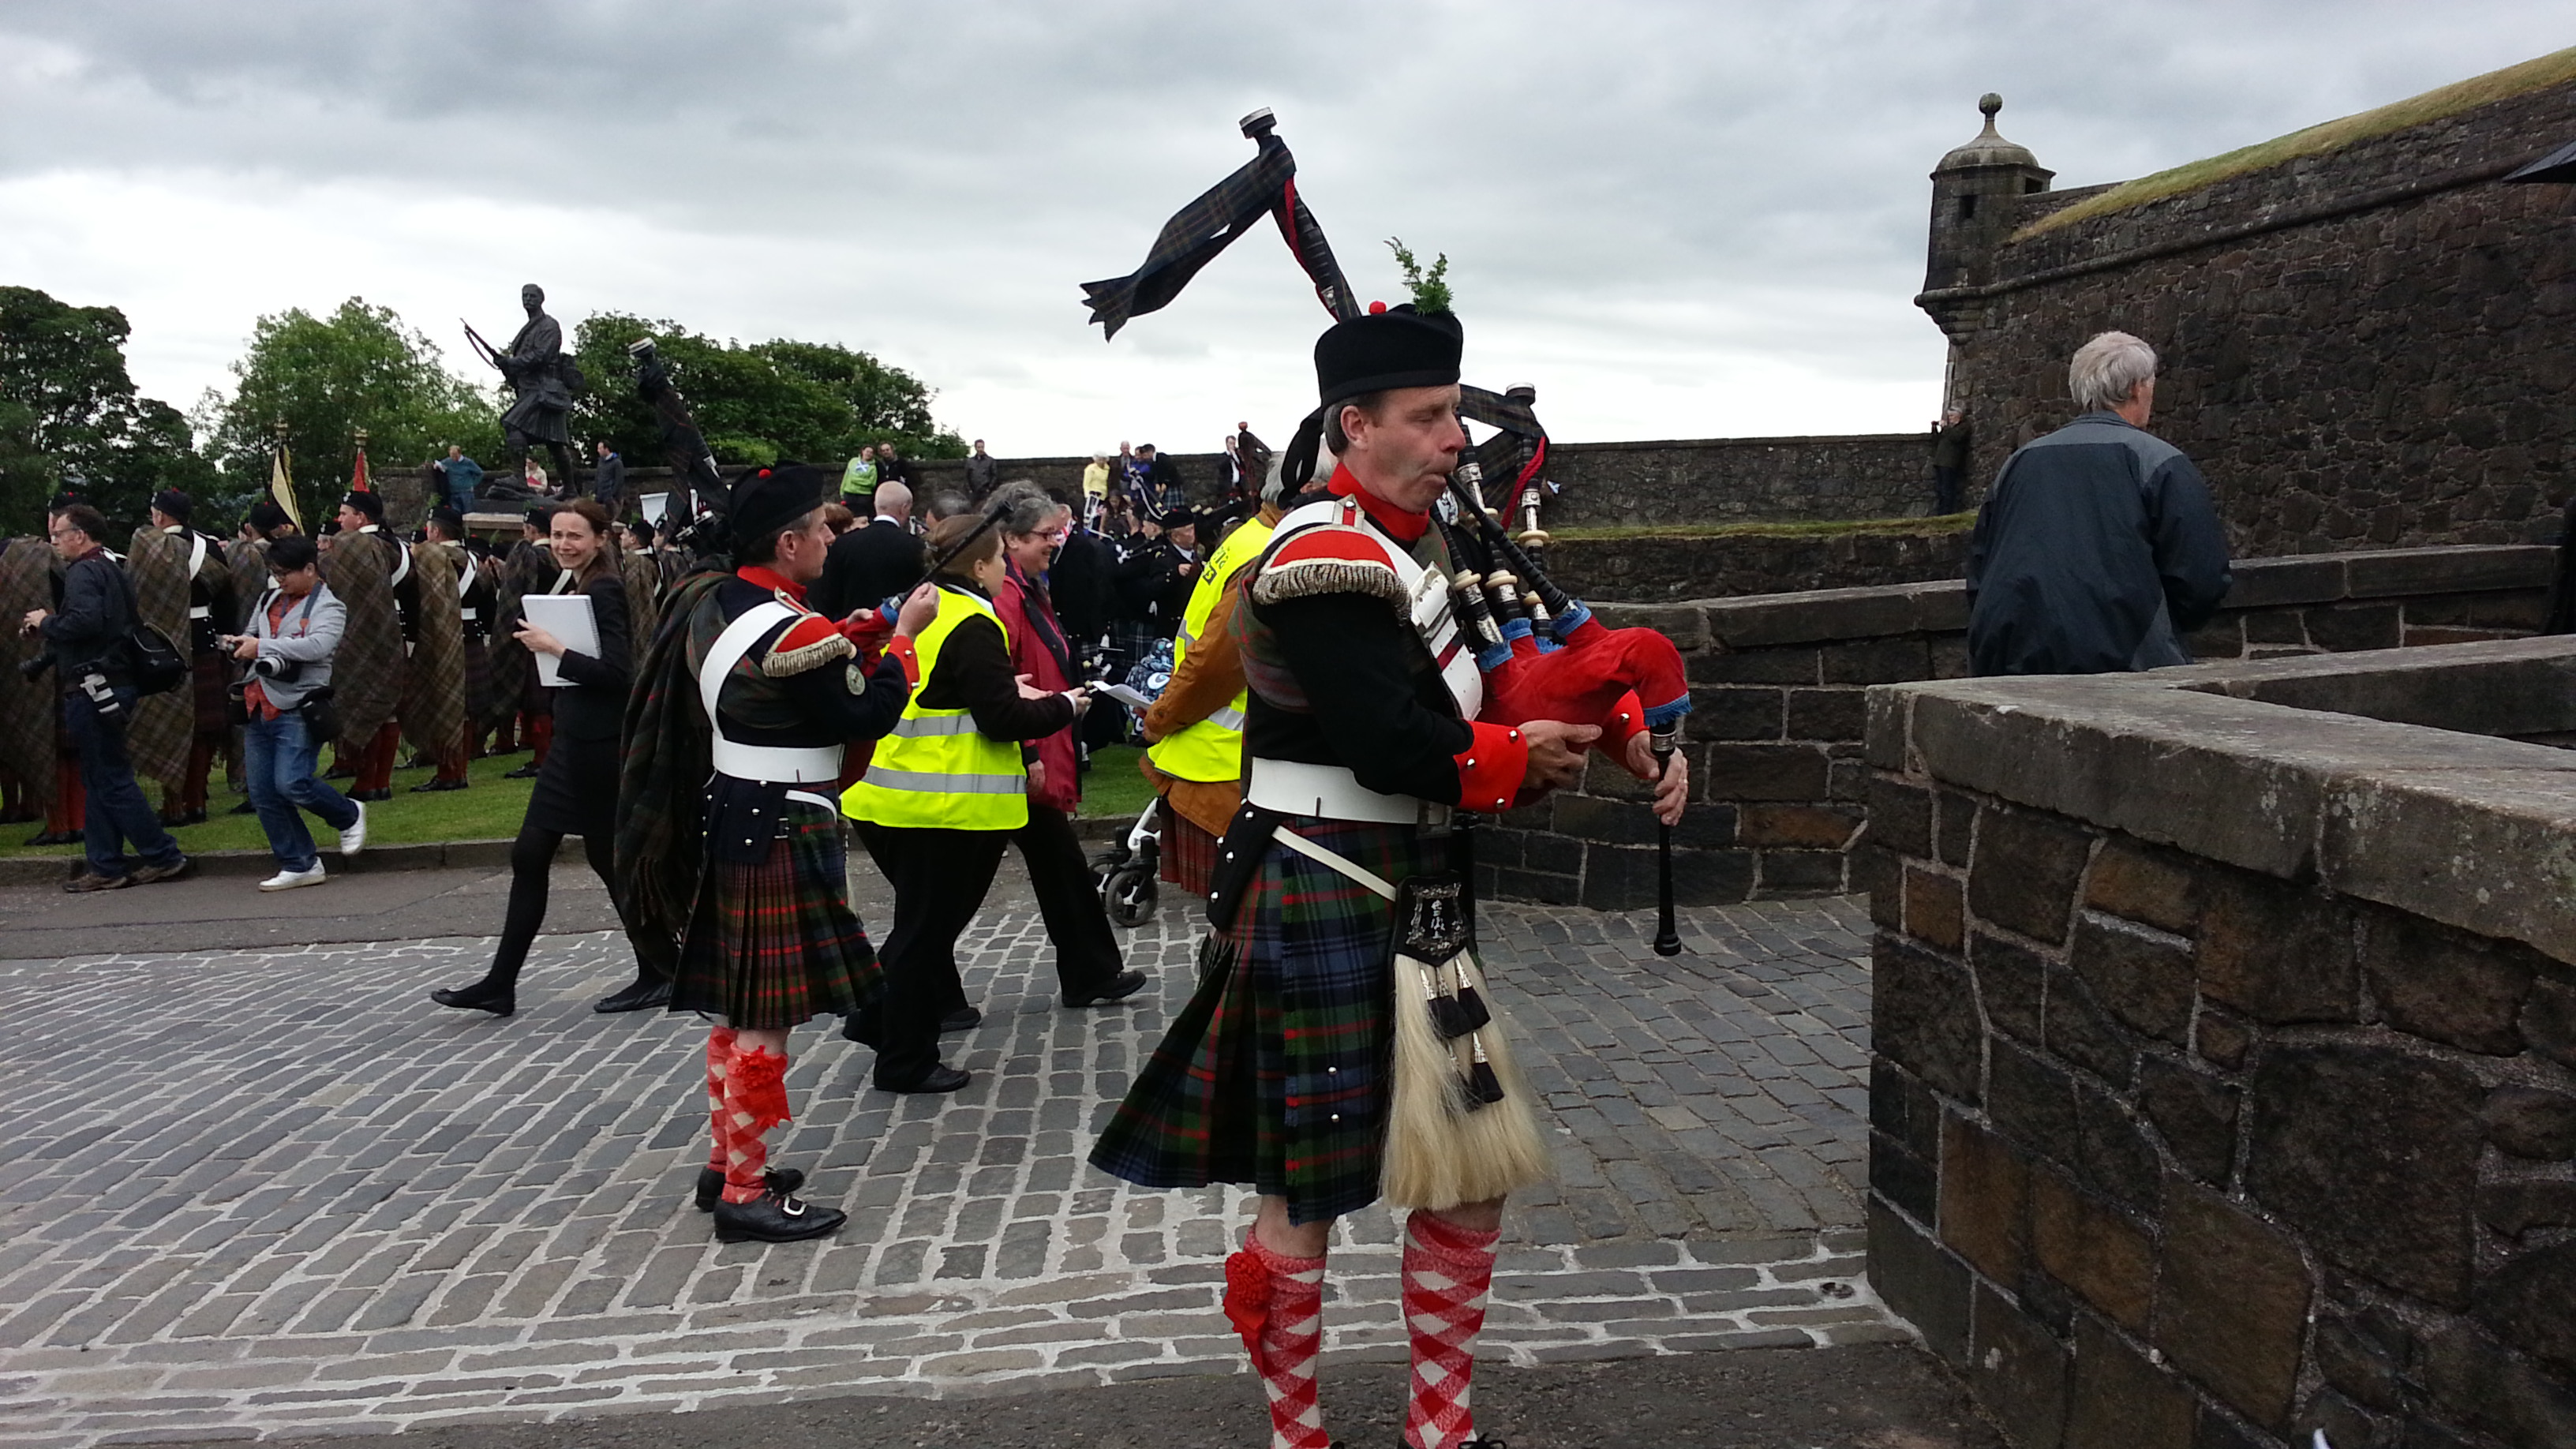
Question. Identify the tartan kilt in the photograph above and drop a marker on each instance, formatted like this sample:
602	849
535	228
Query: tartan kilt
1279	1071
210	678
488	704
1188	853
773	944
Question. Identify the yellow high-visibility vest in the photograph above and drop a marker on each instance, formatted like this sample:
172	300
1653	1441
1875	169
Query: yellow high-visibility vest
1211	749
936	772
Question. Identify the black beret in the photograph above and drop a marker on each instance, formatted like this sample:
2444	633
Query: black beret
1380	350
448	518
175	503
266	516
65	498
766	500
1179	518
366	501
643	529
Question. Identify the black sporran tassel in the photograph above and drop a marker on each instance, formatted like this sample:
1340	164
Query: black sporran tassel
1483	1088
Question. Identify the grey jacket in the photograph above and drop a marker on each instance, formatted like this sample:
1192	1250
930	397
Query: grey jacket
306	637
2095	549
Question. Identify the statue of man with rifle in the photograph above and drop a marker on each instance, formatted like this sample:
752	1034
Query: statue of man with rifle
545	380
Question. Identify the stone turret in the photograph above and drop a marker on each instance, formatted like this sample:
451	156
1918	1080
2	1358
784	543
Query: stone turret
1973	194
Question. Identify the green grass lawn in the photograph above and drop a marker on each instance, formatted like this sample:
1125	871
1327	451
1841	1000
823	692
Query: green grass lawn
491	810
1114	788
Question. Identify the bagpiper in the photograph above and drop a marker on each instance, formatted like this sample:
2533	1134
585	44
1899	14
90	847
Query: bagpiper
729	838
1338	1050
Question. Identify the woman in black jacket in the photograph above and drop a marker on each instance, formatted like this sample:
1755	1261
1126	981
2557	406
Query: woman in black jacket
576	791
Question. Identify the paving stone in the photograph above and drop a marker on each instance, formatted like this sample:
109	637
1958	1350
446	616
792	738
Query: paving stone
500	1208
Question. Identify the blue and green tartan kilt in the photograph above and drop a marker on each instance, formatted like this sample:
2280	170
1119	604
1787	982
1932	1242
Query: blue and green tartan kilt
1277	1073
773	944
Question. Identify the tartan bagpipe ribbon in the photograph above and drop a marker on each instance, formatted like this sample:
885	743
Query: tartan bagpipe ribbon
1264	186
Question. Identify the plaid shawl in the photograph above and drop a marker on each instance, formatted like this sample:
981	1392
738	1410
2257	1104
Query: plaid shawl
367	672
643	595
528	570
249	564
27	709
661	787
158	740
433	698
1264	186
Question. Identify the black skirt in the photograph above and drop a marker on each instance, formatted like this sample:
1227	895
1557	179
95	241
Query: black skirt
576	791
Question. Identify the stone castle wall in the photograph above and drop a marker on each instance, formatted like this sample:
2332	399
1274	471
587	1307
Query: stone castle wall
2362	349
2224	1075
1774	737
1654	570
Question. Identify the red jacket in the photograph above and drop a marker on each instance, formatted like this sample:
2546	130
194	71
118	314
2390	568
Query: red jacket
1029	618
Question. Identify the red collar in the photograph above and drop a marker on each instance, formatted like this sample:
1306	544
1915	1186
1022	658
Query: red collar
1406	527
771	579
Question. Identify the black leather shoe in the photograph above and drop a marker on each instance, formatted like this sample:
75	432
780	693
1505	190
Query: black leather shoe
640	996
372	797
527	771
244	808
711	1184
433	787
964	1018
481	996
774	1217
938	1079
1116	988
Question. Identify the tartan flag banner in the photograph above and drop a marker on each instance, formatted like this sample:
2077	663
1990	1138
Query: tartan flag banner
1265	185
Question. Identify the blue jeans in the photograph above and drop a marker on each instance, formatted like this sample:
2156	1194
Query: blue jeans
279	755
116	811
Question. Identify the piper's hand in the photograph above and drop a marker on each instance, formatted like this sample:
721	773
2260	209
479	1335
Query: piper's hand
35	620
1555	753
1673	789
538	641
918	610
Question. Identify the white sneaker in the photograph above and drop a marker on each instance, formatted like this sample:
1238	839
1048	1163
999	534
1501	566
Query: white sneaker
287	880
353	839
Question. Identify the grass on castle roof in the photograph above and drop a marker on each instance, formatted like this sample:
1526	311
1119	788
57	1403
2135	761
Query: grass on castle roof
2541	73
1788	528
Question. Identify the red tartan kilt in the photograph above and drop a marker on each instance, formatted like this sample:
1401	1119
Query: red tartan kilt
773	944
1188	854
210	678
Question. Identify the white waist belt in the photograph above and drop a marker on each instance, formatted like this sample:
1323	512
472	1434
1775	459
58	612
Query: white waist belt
778	764
1332	793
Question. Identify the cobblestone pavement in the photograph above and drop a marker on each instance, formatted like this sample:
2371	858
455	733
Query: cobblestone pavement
278	1193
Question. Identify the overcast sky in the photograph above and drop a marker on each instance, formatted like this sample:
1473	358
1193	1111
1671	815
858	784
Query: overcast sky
1677	220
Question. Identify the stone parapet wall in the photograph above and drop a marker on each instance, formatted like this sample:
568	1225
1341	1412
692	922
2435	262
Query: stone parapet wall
1647	570
1726	480
2369	347
1775	732
2224	1084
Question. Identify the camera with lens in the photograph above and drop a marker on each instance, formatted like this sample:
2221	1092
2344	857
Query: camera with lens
284	671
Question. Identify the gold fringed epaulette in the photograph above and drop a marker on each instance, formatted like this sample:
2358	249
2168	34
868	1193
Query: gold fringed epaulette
1332	559
809	643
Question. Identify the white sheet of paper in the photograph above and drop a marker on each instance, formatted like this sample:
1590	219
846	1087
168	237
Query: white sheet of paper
655	505
567	617
1124	695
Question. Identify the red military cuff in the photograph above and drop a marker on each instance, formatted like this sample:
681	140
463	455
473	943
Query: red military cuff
900	647
1491	767
1627	719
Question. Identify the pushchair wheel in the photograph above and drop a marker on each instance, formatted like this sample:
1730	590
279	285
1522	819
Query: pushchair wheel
1129	893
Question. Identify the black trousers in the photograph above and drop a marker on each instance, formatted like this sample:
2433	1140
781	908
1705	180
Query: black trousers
1945	489
532	858
940	879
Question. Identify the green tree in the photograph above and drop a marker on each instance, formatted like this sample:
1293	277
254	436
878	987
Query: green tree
67	407
328	377
816	402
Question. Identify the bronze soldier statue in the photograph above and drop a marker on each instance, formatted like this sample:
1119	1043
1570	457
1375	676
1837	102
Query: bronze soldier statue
545	380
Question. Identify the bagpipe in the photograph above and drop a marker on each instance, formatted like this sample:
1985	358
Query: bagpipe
1543	655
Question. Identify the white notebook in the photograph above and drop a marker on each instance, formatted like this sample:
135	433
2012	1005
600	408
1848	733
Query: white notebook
567	617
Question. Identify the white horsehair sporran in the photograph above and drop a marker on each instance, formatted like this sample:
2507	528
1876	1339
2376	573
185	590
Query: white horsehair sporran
1459	1128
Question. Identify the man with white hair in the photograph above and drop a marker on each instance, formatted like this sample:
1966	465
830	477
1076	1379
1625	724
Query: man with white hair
2097	547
